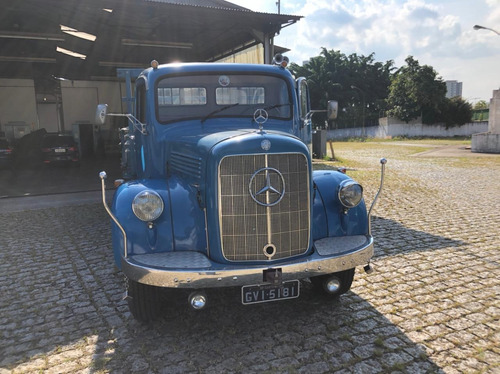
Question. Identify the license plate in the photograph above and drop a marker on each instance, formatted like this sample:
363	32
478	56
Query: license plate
60	150
266	292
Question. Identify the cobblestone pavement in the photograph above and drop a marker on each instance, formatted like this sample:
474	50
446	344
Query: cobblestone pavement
431	306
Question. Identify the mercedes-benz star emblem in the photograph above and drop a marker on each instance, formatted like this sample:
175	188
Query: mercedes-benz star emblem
267	186
265	145
260	116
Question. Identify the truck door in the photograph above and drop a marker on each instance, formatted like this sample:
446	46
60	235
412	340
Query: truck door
304	109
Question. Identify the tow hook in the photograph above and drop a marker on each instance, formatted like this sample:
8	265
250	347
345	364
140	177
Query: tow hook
273	276
368	269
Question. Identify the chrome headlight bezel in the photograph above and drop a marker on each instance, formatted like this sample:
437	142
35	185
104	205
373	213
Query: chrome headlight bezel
350	193
147	205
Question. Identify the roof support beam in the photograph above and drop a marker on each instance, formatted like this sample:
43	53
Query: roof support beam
267	40
30	36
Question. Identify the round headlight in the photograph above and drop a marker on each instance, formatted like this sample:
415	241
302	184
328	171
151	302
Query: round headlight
147	206
350	193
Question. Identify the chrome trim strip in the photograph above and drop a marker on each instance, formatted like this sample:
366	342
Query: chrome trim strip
231	275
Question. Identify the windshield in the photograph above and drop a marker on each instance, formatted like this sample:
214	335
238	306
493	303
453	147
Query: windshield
208	96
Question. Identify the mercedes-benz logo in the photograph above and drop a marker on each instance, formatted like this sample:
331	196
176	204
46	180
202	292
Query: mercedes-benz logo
265	145
260	116
267	186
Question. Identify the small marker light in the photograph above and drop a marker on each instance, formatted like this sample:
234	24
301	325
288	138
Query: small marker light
154	64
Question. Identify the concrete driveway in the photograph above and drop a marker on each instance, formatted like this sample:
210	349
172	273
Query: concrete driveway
40	179
432	305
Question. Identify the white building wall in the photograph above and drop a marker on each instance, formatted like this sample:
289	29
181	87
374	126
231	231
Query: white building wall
252	55
18	102
80	99
389	129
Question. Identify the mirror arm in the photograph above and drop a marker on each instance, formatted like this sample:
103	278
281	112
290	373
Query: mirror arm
138	125
311	113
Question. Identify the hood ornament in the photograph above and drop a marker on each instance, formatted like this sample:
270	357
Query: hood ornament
260	116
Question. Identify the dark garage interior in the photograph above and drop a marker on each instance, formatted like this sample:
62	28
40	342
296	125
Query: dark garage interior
59	59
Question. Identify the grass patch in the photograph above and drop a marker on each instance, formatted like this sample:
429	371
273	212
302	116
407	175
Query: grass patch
379	342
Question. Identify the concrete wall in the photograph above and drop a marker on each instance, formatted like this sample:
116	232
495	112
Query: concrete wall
18	102
391	128
489	142
485	143
495	113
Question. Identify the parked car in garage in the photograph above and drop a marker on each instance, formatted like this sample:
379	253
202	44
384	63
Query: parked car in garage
59	149
6	155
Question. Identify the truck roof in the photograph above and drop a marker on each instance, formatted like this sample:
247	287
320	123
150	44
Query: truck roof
199	67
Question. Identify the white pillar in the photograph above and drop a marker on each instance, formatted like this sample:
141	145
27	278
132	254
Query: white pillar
489	142
494	115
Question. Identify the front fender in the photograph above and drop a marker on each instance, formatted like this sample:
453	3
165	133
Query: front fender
180	227
140	237
329	216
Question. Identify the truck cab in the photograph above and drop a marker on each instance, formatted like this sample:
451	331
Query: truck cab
219	190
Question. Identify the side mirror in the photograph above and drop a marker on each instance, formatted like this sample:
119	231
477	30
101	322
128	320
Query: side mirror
100	114
332	109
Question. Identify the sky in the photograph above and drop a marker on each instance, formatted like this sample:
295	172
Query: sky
437	33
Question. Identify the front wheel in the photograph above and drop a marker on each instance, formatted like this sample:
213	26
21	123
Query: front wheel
334	284
144	301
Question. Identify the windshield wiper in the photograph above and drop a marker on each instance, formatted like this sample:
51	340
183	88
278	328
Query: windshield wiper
217	111
276	106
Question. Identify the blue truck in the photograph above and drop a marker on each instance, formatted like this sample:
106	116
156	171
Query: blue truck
219	190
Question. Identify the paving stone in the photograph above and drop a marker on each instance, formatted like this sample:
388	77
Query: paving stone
431	306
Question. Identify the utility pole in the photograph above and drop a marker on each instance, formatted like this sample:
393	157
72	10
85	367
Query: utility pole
279	6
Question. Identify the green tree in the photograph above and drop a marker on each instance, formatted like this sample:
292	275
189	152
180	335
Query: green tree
332	75
481	104
416	91
454	112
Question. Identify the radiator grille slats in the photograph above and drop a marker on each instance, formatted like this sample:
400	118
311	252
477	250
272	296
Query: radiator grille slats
247	228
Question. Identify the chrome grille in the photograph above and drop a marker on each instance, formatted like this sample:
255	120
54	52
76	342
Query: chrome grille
251	231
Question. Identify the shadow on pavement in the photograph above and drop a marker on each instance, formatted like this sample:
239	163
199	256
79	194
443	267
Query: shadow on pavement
47	179
63	310
310	334
392	238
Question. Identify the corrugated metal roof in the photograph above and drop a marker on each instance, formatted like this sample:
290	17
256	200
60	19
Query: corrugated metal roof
132	34
216	4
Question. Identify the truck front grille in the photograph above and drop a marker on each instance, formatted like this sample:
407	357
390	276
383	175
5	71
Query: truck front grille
264	206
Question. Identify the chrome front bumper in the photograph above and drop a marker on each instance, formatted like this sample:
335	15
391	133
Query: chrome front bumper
188	269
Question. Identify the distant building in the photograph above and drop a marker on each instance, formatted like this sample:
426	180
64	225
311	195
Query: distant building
453	88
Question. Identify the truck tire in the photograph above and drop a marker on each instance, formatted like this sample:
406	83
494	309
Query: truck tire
143	301
346	277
